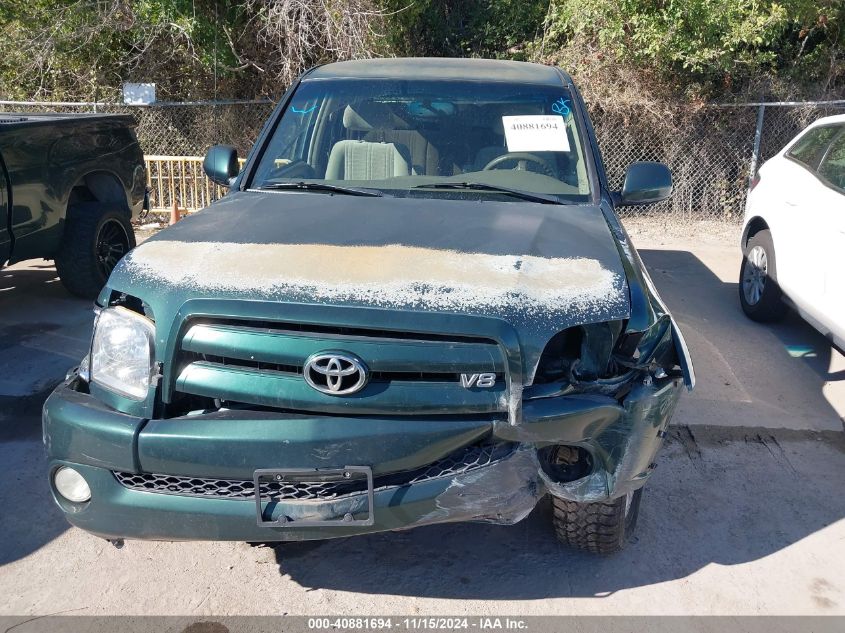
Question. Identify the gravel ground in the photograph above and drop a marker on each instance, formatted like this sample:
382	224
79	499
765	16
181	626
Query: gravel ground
653	231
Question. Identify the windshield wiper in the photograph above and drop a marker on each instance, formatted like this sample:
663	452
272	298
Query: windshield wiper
480	186
321	186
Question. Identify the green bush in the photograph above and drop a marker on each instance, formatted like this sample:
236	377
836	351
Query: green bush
79	49
719	43
470	28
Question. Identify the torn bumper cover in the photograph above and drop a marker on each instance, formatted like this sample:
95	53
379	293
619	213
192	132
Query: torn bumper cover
193	478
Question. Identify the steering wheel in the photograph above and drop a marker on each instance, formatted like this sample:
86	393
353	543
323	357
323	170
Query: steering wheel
522	159
294	169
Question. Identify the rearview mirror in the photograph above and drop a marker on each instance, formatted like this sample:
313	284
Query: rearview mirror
221	164
646	183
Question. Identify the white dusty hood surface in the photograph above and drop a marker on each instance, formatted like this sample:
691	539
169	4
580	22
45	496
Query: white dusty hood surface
542	268
393	275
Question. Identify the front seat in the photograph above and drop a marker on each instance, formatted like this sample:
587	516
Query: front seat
362	160
378	123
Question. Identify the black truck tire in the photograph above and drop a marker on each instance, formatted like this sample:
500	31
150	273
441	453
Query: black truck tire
602	527
97	235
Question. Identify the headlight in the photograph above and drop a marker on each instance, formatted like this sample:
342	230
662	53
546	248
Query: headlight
122	352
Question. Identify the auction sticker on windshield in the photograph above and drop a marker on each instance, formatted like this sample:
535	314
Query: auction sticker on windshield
536	133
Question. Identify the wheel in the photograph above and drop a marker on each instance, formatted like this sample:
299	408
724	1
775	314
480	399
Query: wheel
600	528
96	236
759	294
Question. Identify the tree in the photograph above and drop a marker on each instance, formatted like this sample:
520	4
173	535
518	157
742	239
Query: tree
718	43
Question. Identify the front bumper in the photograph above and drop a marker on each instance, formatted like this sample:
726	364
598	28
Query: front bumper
81	432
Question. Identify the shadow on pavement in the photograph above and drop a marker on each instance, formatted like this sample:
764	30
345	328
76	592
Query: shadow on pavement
29	518
43	330
749	374
39	278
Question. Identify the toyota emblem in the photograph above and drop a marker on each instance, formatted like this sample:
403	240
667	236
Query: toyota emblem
335	373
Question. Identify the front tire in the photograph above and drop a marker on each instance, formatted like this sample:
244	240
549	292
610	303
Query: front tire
759	293
602	527
96	237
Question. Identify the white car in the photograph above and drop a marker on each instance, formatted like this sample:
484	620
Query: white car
793	237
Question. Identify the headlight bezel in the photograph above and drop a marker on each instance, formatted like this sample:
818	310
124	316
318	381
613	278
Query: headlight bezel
138	324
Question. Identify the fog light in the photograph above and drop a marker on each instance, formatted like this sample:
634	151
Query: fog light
71	485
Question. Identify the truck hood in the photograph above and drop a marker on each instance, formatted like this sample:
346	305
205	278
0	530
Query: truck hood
541	268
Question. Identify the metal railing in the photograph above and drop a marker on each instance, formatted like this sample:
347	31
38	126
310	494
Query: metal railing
180	182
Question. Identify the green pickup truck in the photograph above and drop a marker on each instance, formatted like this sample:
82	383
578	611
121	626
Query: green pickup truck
69	186
415	305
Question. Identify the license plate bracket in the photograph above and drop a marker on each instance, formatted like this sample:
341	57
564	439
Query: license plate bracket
294	475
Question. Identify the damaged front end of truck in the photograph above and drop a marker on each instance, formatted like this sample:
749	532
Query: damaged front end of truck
230	441
602	397
360	338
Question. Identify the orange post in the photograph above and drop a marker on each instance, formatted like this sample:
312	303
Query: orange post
174	213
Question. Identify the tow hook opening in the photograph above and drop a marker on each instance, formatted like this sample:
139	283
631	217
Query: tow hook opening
565	463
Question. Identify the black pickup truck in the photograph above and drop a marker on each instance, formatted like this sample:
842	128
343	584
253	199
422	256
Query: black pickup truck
69	186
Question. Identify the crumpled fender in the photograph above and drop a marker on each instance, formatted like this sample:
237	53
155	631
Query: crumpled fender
624	453
647	307
684	359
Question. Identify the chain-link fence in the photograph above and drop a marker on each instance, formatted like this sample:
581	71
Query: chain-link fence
711	151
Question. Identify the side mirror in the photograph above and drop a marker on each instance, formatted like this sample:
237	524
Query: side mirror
221	164
646	183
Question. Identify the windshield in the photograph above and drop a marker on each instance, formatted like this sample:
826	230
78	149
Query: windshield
429	139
